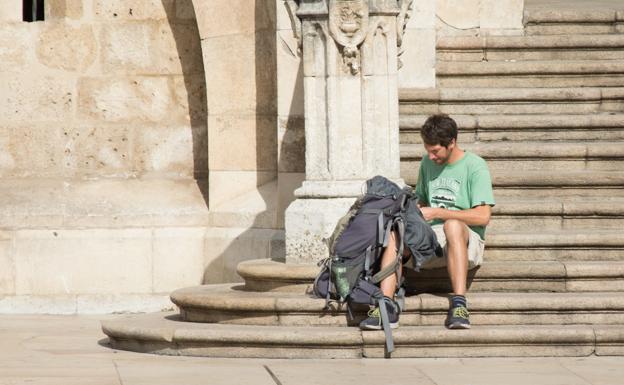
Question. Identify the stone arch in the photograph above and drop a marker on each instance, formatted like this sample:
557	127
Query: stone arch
238	49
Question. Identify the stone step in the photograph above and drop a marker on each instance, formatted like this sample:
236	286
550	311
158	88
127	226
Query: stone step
575	243
229	304
541	183
534	156
556	215
164	333
578	244
525	127
535	276
515	101
516	48
535	73
587	19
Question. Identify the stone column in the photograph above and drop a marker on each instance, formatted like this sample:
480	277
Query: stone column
349	50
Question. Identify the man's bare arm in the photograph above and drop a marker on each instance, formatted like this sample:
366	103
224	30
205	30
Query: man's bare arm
476	216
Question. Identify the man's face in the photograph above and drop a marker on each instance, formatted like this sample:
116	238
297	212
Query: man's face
438	153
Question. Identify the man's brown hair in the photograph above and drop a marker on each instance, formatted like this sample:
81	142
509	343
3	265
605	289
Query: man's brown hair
439	129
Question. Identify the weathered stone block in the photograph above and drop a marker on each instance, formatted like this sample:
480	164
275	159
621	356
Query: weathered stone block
131	47
242	143
190	99
36	98
290	80
164	150
423	15
31	203
240	75
287	183
459	14
83	261
97	150
66	47
501	14
7	273
10	11
16	41
231	17
133	9
291	139
118	203
178	258
227	185
419	59
179	49
309	223
17	158
125	99
58	9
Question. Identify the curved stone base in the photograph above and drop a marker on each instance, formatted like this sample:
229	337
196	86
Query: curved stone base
231	304
509	276
163	333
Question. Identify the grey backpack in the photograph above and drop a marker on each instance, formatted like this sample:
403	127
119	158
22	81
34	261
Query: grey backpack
351	274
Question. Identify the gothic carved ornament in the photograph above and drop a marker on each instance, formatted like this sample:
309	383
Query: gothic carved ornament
348	26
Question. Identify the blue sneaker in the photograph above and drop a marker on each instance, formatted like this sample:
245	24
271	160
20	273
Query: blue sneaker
458	318
373	322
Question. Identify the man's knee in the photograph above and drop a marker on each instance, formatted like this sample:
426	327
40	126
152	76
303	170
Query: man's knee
455	230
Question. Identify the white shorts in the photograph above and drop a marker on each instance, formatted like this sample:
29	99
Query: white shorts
476	247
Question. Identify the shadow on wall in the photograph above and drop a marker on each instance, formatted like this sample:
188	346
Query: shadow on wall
260	238
188	43
260	229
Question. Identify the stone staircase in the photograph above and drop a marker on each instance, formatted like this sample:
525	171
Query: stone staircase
547	112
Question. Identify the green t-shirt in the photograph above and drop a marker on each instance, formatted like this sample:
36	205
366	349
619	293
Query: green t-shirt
459	186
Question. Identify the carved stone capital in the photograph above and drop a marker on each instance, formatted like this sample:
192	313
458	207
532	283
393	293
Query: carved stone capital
348	22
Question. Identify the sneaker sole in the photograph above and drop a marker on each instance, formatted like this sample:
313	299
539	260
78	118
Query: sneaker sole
457	325
375	327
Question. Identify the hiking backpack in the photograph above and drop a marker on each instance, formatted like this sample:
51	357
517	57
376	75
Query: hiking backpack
351	274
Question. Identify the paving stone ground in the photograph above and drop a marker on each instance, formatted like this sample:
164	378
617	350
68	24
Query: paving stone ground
67	350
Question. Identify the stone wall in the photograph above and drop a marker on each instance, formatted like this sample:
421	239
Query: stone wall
103	88
103	155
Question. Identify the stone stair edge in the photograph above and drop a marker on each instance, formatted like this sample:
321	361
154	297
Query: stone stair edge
228	299
266	269
450	43
549	179
498	121
612	149
533	67
180	338
409	96
538	16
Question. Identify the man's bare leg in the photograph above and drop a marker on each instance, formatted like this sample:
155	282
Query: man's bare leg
457	250
457	257
388	287
389	284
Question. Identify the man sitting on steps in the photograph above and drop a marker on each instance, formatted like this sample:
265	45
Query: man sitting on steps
455	195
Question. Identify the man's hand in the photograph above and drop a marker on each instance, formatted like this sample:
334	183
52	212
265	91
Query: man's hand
429	213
